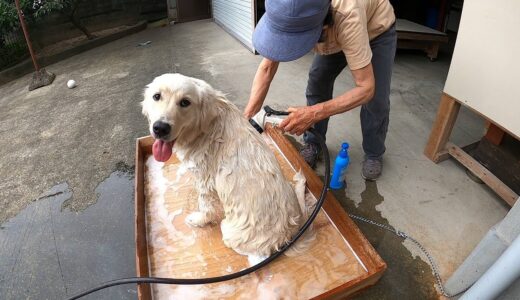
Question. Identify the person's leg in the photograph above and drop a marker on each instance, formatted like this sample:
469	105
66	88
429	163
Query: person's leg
322	74
375	114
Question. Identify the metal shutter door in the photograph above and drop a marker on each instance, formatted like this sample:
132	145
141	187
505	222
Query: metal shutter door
236	17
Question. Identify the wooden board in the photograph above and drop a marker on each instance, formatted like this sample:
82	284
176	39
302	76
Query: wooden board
403	25
483	72
483	173
494	134
444	122
415	36
503	161
339	262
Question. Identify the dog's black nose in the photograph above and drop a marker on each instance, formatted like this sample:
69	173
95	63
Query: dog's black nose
161	129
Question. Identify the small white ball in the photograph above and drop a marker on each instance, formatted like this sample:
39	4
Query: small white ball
71	84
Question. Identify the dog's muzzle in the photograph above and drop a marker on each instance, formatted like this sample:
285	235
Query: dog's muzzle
161	129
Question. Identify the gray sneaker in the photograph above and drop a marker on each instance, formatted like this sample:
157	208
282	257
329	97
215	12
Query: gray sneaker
372	169
310	152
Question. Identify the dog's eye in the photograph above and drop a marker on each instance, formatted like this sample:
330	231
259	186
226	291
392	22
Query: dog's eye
184	102
157	97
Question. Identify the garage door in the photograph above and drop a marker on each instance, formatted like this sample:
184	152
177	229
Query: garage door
237	18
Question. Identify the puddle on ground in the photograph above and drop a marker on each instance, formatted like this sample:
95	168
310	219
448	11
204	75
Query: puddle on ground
406	277
56	253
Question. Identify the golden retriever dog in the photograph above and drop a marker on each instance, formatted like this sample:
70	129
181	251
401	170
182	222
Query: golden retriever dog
232	164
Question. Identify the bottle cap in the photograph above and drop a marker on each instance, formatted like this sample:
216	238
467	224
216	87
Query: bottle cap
344	148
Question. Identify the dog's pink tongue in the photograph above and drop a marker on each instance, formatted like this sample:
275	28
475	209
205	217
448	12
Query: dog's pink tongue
162	150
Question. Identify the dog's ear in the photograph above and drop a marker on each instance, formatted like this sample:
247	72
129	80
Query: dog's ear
208	106
144	111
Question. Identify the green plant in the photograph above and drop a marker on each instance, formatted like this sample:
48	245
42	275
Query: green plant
68	8
12	54
8	16
34	10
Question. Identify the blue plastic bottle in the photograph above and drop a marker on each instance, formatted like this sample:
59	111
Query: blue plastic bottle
340	168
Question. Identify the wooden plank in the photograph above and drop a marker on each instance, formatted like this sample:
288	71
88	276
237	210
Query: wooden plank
484	174
441	130
463	102
433	50
141	251
403	25
356	266
499	160
421	37
494	133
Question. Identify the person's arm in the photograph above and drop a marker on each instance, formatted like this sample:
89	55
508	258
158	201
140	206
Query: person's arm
264	76
301	118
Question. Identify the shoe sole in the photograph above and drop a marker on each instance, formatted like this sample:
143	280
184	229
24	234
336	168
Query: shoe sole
318	158
369	179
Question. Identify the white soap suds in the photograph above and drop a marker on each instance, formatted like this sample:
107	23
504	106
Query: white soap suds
158	184
252	258
188	292
255	259
225	289
172	215
337	257
333	263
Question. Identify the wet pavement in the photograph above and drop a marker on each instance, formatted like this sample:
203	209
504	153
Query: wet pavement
406	277
50	252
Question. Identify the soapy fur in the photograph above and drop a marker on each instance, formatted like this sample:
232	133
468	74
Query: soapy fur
234	167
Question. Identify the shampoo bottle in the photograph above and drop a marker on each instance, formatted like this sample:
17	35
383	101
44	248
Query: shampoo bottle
340	168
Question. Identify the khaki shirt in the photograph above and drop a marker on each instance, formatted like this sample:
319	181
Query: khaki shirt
356	23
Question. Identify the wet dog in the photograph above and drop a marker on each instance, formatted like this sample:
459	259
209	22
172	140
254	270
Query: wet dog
233	164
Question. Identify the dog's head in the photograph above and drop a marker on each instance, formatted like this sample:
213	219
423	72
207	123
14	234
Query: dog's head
178	108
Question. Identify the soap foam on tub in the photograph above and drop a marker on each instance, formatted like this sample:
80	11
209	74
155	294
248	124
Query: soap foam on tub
158	185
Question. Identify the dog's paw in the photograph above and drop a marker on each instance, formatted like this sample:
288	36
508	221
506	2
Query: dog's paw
196	219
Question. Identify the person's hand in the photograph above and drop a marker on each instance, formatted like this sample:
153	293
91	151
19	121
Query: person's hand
299	119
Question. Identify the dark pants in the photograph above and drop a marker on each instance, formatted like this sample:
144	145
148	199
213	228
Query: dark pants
375	114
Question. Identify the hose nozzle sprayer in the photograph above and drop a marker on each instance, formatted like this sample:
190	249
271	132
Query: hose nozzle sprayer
267	115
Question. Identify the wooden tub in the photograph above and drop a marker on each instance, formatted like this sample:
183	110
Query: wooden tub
339	263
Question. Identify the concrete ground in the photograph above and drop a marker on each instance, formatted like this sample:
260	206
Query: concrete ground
66	163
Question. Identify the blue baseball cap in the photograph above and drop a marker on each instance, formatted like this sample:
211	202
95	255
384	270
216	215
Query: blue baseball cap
289	28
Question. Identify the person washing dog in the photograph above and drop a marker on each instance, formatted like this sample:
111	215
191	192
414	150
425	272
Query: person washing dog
357	33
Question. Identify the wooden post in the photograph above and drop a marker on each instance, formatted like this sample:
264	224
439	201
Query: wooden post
26	34
494	134
432	51
435	149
